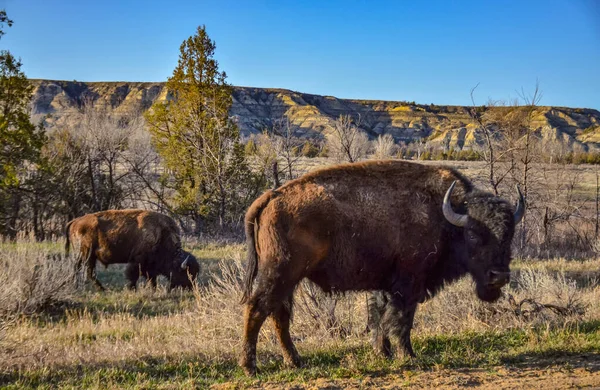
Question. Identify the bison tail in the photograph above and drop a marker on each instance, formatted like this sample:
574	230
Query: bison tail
251	228
67	239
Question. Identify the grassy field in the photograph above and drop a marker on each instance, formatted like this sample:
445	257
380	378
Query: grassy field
148	339
543	333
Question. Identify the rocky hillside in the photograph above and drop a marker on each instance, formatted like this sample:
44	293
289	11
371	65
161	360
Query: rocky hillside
312	115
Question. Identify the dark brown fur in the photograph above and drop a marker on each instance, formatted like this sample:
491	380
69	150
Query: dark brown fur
374	225
148	241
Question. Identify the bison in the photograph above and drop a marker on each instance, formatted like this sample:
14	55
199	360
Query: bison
147	241
401	228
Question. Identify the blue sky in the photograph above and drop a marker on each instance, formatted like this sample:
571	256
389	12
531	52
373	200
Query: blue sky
426	51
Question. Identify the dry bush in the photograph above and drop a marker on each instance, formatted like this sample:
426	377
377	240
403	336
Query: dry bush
33	280
385	147
334	315
536	297
346	141
317	318
207	325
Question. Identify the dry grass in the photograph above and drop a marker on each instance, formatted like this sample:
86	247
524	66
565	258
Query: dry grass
33	279
200	330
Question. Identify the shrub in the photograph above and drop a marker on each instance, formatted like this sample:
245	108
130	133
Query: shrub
385	147
309	150
250	148
324	152
34	280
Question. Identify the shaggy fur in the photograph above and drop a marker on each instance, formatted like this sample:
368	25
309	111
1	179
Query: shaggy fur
147	241
375	225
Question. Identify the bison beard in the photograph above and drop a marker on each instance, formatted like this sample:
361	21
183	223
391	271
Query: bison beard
396	227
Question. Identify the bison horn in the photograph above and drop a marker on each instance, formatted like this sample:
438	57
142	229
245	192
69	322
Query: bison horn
185	262
520	211
455	219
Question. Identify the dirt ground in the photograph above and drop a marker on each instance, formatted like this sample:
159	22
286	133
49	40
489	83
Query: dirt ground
581	371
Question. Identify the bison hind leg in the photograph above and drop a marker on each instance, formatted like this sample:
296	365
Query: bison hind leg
255	315
281	321
91	270
272	297
91	275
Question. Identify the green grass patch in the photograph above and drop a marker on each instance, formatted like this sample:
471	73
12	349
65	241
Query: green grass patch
542	346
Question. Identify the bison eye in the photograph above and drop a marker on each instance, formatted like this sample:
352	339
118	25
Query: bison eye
472	237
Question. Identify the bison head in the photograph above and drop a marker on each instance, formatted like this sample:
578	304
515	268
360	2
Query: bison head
185	270
487	228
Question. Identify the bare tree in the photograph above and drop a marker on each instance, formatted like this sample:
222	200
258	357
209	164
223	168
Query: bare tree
146	184
421	146
265	155
531	101
509	137
105	138
287	147
385	147
511	146
278	147
346	141
490	155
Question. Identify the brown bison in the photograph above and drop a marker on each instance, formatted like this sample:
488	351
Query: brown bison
147	241
401	228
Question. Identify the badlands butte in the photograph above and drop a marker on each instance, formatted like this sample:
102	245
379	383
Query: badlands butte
255	109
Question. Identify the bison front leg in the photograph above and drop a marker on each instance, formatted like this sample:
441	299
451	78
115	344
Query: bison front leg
398	318
132	273
153	282
405	325
377	303
281	321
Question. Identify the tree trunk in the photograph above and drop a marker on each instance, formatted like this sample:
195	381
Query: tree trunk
14	214
93	185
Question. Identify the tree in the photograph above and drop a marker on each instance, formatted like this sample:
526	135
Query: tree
512	147
385	147
4	19
287	147
20	140
196	138
105	139
346	141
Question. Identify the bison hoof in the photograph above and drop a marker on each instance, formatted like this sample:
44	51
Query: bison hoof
249	368
292	361
383	347
404	354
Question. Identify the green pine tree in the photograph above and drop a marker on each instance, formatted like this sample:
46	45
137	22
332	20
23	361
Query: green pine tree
20	140
196	138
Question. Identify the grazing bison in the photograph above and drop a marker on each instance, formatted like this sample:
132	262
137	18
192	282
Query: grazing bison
401	228
147	241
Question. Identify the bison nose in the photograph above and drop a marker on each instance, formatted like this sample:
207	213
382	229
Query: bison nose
498	278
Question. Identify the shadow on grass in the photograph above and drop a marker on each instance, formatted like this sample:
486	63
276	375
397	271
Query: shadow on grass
573	346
